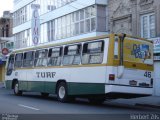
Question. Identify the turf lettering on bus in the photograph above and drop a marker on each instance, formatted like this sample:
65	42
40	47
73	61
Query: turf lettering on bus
48	75
45	74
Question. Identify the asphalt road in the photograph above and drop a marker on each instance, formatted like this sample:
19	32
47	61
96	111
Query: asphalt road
33	103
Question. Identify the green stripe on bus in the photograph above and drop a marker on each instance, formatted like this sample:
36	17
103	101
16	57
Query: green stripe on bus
50	87
38	86
8	84
85	88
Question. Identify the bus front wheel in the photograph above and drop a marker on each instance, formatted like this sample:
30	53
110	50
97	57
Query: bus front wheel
16	89
62	94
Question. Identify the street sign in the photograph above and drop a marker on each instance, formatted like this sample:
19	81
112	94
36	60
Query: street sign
5	51
35	24
156	45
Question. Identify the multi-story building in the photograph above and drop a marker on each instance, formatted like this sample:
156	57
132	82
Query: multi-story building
59	20
6	40
138	18
74	19
135	17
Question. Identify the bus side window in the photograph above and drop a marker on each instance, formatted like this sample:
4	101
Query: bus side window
28	59
18	60
10	66
93	52
41	58
72	55
55	56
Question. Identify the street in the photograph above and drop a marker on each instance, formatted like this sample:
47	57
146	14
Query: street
33	103
32	106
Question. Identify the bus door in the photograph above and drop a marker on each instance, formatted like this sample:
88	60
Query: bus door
20	74
28	63
41	75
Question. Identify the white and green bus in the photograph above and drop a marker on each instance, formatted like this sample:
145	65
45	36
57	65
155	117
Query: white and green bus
98	68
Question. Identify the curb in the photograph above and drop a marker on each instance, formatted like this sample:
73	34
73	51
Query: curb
148	105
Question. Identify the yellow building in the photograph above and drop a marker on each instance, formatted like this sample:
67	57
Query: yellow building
2	72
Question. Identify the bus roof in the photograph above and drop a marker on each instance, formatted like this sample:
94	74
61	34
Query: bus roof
61	42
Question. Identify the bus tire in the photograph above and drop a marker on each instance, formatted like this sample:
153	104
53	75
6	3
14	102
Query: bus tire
45	95
16	89
62	94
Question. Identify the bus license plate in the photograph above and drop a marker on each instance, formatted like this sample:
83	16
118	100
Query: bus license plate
132	82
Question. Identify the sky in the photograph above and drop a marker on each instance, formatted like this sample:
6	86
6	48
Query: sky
6	5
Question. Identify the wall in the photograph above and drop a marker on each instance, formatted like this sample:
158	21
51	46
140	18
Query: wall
124	15
157	78
120	16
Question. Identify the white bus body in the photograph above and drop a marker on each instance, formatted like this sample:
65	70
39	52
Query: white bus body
102	76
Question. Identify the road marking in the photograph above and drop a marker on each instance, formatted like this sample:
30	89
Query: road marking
25	106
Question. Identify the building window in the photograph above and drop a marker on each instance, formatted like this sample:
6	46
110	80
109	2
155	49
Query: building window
89	19
7	30
78	22
50	30
10	45
24	14
148	29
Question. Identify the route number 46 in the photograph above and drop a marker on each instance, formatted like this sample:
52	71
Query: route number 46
147	74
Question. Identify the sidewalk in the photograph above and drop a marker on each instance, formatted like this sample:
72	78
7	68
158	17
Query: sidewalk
1	84
150	101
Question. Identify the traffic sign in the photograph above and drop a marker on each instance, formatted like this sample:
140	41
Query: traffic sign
5	51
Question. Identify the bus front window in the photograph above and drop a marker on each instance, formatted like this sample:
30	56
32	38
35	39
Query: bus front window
10	66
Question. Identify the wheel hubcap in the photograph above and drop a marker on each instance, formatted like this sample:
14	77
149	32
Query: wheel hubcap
62	92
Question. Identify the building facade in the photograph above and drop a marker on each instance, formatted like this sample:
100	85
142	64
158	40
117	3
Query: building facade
138	18
59	20
75	19
6	40
135	17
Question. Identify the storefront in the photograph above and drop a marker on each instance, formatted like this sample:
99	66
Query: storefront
157	66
